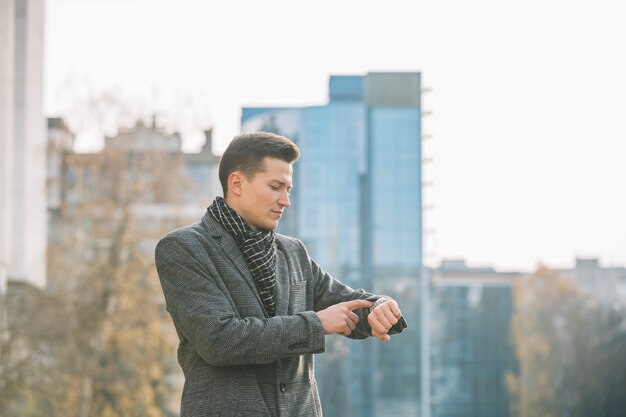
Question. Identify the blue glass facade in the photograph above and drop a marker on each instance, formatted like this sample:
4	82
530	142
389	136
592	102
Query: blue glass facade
356	205
471	328
396	187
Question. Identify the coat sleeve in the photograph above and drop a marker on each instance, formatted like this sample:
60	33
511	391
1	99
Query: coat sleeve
203	314
330	291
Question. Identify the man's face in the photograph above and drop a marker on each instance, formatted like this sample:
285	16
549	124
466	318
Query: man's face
264	197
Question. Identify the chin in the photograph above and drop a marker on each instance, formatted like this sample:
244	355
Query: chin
267	226
271	226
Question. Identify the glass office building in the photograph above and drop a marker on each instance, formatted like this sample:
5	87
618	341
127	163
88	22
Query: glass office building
470	342
356	205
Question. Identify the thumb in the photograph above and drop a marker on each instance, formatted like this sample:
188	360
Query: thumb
354	304
384	337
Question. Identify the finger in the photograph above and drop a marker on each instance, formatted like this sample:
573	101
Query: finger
354	304
354	319
380	316
383	337
351	324
387	311
377	326
394	308
347	328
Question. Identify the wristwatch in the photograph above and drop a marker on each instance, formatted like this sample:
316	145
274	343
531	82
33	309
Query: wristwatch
378	302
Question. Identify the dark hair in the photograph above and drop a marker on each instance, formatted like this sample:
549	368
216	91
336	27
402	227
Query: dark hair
246	152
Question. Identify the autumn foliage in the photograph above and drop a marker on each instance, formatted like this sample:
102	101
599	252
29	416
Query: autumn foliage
571	347
97	342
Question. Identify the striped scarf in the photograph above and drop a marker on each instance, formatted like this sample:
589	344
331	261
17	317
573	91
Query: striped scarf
258	249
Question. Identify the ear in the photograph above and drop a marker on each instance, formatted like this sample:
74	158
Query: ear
235	181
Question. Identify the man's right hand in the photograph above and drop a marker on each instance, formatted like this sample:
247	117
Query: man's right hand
339	318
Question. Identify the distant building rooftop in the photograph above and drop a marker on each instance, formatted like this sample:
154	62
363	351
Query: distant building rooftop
456	272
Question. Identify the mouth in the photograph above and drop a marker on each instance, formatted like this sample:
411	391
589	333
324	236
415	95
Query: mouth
279	213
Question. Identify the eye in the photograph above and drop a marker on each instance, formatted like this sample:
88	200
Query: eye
274	187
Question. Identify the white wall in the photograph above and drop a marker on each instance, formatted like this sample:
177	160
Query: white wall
23	216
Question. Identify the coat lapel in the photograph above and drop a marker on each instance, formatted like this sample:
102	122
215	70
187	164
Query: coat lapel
230	248
282	284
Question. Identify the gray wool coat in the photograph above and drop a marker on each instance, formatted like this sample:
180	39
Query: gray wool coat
238	361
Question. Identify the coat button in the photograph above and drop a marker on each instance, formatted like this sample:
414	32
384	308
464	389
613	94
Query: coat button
283	387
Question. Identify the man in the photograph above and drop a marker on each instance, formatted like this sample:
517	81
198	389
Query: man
250	306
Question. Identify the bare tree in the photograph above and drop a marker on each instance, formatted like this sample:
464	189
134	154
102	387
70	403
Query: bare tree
98	341
571	349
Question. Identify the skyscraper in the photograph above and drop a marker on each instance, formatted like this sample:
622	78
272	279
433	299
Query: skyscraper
357	206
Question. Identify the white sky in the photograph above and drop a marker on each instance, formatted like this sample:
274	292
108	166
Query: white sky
528	98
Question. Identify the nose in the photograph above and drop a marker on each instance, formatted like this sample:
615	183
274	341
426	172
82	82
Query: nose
284	200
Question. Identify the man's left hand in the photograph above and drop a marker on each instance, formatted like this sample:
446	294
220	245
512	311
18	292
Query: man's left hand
383	317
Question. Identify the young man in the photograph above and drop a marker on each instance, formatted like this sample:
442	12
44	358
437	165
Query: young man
250	306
